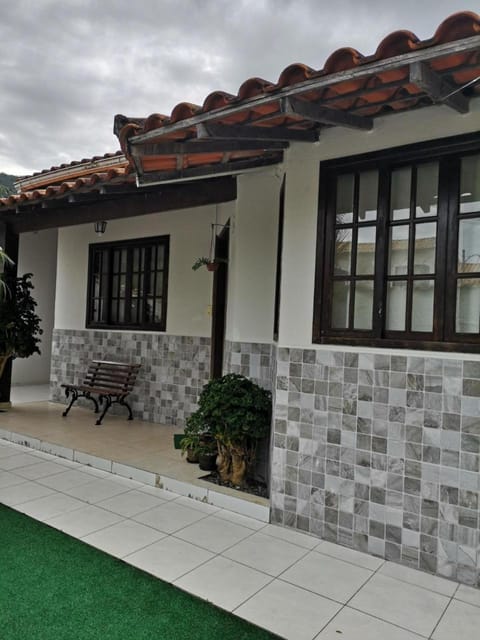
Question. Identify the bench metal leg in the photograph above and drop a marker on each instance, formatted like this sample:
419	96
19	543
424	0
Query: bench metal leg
74	394
108	404
125	404
89	397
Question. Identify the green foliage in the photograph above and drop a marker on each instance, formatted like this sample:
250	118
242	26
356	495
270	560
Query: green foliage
19	324
6	185
234	409
199	262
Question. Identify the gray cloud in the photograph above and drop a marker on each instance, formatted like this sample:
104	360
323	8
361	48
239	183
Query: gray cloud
66	67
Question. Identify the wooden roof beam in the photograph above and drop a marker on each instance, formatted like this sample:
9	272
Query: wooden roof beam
206	146
324	115
246	132
439	89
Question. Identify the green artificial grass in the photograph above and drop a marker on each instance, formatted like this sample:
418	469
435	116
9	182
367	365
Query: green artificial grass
55	587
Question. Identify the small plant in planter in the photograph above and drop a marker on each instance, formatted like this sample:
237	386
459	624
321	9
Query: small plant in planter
212	265
207	455
195	439
237	411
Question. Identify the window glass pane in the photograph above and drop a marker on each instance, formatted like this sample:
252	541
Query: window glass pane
343	252
340	305
114	310
470	184
368	195
123	260
398	250
123	286
105	261
158	310
160	257
425	243
115	282
427	190
422	305
468	305
400	194
366	250
396	306
136	259
134	310
159	285
135	282
344	209
116	261
363	305
469	245
121	311
96	285
149	310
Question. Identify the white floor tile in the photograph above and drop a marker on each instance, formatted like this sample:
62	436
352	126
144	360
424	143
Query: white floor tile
40	470
468	594
403	604
169	517
214	534
17	460
8	479
13	496
7	451
237	518
199	505
131	503
169	558
327	576
349	555
97	490
50	506
265	553
123	538
66	480
301	539
288	611
460	622
349	624
419	578
83	521
158	493
223	582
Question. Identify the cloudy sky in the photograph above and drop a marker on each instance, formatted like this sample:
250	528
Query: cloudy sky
68	66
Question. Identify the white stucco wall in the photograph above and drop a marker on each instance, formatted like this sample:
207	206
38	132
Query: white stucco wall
252	269
301	204
38	255
189	292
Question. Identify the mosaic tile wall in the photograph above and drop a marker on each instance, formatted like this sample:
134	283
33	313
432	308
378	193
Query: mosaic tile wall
174	368
381	453
251	359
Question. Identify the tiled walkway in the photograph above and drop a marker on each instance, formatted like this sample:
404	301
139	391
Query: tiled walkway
295	585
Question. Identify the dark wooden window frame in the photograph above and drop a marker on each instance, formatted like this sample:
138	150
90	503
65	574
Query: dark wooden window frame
138	243
443	337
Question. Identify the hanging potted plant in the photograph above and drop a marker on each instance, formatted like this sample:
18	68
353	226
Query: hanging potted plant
212	265
237	411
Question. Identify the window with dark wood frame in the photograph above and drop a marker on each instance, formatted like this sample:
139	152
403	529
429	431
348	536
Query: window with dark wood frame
127	284
398	248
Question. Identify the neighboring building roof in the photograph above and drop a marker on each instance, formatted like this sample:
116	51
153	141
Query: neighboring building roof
251	127
98	174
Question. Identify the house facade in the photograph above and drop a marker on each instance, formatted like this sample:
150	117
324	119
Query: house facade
343	206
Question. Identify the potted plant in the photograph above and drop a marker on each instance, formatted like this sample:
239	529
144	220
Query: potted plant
19	324
212	265
207	455
195	439
238	412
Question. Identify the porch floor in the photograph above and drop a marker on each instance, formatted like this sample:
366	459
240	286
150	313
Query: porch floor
140	450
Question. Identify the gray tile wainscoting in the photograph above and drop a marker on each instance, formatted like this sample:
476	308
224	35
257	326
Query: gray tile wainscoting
381	453
174	368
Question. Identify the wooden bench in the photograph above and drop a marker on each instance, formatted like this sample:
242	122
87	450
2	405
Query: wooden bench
111	382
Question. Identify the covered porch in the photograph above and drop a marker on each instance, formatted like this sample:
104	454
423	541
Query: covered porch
142	451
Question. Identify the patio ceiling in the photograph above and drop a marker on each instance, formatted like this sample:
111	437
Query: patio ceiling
231	133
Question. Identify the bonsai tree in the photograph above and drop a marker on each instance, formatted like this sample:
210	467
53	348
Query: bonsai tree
19	324
237	412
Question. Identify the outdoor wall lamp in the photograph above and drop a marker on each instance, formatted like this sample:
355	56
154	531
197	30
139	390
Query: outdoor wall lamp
100	227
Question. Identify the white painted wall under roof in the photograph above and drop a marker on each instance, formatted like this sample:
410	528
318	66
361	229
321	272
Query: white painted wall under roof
38	255
301	198
252	268
189	292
